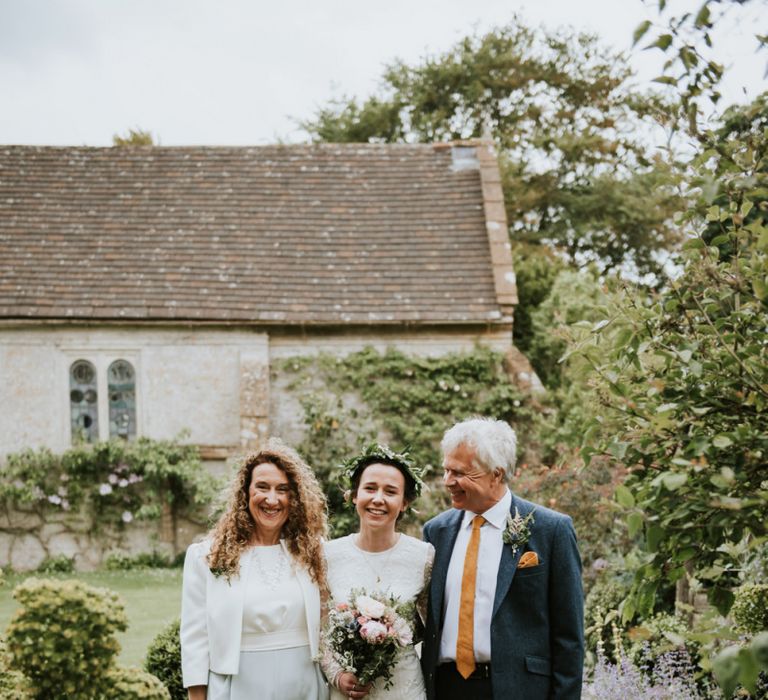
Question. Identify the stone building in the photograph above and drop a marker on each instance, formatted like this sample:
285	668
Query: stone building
145	290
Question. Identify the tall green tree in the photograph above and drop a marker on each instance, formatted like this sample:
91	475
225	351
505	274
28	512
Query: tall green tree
684	382
572	136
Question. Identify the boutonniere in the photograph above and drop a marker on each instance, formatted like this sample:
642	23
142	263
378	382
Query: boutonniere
518	530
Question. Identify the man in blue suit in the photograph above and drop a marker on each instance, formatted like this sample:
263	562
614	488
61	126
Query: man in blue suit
505	616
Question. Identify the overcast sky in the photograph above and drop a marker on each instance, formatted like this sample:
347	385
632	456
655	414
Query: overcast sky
75	72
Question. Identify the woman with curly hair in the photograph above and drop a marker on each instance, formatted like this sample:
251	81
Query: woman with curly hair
250	613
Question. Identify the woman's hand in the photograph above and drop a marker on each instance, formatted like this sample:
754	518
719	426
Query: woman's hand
349	685
197	692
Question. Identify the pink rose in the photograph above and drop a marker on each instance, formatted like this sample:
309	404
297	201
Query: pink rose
373	632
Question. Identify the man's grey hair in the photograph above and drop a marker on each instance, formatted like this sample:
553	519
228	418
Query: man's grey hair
493	441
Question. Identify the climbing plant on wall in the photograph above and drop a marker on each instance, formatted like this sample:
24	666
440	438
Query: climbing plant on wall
407	401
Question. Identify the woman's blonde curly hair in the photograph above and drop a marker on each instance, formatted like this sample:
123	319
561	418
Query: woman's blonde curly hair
303	531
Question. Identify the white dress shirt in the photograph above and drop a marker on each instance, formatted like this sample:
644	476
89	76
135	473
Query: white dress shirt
488	559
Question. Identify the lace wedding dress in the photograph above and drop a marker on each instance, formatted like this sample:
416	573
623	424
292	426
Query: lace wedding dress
402	571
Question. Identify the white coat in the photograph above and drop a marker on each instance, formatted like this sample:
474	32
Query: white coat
212	615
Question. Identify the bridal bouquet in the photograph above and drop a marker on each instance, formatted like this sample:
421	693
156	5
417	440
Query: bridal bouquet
367	634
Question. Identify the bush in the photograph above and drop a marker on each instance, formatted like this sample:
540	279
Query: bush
62	638
133	684
750	608
164	660
658	635
60	564
11	682
118	561
601	614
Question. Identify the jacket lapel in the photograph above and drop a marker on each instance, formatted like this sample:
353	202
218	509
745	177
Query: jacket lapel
444	541
509	562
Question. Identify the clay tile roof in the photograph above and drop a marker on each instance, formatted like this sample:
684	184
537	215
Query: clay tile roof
307	234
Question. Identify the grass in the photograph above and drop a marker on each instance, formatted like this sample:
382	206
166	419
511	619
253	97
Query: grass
152	599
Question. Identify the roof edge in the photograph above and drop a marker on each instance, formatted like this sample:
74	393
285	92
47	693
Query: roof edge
504	278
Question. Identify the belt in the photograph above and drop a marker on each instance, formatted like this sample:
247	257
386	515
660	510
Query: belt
481	670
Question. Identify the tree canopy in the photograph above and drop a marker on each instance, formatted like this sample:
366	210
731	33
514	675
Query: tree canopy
572	137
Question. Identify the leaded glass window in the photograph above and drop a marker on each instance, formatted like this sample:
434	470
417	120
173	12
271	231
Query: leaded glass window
83	402
122	400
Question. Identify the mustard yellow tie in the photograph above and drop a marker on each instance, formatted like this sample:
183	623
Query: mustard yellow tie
465	643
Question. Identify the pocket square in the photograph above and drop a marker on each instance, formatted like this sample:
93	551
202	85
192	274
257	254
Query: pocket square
528	559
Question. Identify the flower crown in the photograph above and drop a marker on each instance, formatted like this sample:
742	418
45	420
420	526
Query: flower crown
376	452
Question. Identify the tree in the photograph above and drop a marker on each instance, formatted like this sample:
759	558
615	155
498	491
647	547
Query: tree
135	137
684	382
577	171
689	65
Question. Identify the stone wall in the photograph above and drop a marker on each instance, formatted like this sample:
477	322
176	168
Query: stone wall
208	383
29	537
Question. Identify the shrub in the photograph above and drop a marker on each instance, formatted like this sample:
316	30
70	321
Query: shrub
750	608
133	684
62	638
601	614
164	660
11	682
659	635
60	564
118	561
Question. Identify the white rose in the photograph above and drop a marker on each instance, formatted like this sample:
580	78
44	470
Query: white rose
403	631
368	607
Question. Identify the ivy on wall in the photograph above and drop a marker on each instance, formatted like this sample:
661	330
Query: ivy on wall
114	482
403	400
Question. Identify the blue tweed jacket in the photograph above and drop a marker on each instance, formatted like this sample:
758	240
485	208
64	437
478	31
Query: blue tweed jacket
537	628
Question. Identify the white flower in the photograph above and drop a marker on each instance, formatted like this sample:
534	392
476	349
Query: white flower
56	500
112	478
127	516
373	631
403	630
105	490
369	607
122	483
65	504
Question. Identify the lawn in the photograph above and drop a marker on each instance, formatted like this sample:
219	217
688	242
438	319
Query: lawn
152	599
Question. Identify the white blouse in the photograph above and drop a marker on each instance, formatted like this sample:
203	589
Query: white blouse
273	606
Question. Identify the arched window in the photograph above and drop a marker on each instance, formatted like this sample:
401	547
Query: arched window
122	400
83	402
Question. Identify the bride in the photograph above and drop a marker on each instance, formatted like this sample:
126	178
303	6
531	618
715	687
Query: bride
380	559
